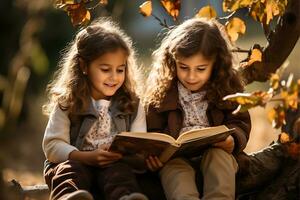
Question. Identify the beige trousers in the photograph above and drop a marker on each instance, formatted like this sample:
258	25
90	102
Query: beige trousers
218	168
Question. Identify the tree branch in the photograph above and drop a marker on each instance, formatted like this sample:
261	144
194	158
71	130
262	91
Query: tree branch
281	43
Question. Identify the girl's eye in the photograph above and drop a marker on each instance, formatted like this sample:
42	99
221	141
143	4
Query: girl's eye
183	67
104	70
120	71
201	69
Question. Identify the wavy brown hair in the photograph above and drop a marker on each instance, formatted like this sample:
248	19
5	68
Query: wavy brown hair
70	89
193	36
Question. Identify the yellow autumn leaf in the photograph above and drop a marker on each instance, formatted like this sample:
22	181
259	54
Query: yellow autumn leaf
290	98
284	137
279	117
232	5
265	10
274	81
271	115
240	98
146	8
234	27
271	10
256	56
79	14
207	12
172	7
103	2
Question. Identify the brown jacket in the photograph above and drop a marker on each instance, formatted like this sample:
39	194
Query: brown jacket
168	118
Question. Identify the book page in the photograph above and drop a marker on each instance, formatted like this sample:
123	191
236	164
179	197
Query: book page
201	133
196	146
150	136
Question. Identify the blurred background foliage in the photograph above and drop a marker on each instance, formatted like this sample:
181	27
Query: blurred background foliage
33	33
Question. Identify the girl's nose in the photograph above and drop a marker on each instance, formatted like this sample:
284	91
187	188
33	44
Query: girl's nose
191	75
113	75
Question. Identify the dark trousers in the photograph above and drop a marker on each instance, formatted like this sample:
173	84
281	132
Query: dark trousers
113	181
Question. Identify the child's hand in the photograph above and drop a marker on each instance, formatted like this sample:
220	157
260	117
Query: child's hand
98	157
103	157
153	163
227	144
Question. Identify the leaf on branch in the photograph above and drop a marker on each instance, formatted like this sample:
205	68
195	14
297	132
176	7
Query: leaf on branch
234	27
233	5
256	56
172	7
284	138
265	11
79	14
274	81
277	116
146	8
208	12
290	96
249	100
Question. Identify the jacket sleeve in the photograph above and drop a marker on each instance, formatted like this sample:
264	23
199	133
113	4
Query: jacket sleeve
56	141
242	124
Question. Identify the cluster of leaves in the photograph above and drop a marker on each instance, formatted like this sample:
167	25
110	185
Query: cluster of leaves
286	97
78	10
234	26
260	10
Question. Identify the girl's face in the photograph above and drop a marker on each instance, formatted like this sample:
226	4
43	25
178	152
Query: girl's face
106	74
194	71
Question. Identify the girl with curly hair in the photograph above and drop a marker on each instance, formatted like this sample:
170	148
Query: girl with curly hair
192	72
92	97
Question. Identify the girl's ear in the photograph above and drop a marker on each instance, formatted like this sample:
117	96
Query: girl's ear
83	66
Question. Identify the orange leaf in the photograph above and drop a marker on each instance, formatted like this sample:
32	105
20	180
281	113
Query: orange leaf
232	5
172	7
146	8
207	12
234	27
256	56
279	117
78	14
284	137
274	81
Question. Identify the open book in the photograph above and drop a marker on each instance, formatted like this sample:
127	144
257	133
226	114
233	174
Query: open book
188	144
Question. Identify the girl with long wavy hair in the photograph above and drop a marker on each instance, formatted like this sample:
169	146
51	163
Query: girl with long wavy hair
92	97
192	71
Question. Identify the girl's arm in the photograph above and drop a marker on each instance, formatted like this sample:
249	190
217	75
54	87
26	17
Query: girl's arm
56	142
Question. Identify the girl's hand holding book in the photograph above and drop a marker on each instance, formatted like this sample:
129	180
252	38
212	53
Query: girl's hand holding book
99	157
227	145
153	163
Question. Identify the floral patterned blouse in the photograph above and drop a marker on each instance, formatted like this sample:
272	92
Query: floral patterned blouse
194	108
102	131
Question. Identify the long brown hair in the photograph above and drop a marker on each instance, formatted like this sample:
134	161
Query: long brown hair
70	89
191	37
